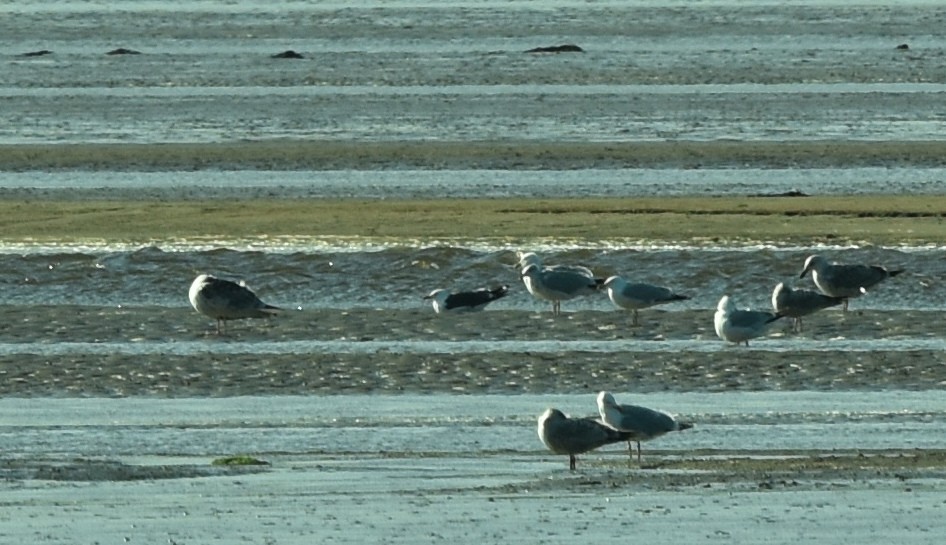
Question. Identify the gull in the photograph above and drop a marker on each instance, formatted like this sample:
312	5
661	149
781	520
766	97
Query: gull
638	296
737	326
642	423
226	300
530	258
571	436
796	303
557	285
845	281
444	301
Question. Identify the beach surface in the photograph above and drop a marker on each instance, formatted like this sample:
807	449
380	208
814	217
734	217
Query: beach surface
410	145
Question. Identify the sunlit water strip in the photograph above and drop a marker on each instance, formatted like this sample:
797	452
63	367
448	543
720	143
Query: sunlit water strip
483	183
368	244
225	346
458	424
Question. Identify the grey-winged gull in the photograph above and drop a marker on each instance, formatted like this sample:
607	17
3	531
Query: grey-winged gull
636	296
444	301
226	300
557	285
642	423
796	303
838	280
531	258
572	436
739	325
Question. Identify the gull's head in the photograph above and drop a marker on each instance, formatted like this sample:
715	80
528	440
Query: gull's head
779	294
613	282
530	271
436	294
726	304
438	298
551	414
605	399
201	281
526	259
814	262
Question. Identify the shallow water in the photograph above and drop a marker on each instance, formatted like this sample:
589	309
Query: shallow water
352	275
440	424
457	71
406	184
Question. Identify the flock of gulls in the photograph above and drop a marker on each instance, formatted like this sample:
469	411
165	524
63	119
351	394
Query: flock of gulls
224	300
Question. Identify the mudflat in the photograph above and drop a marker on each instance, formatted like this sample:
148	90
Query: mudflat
300	154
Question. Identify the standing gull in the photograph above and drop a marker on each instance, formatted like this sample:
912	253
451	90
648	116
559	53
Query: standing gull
845	281
557	285
637	296
444	301
225	300
642	423
738	326
796	303
571	436
530	258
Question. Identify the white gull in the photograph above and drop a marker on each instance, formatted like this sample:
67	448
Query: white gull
636	296
531	258
642	423
557	285
738	325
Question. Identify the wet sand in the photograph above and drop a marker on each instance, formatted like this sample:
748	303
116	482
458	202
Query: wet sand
428	501
276	155
233	365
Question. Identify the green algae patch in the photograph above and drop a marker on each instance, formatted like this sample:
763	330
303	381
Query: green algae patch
857	220
240	460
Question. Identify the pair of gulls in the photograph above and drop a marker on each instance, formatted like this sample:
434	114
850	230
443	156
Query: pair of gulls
837	282
615	423
557	283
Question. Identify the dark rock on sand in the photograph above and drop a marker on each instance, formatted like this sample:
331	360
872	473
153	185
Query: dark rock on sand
40	53
123	51
565	48
288	54
789	193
